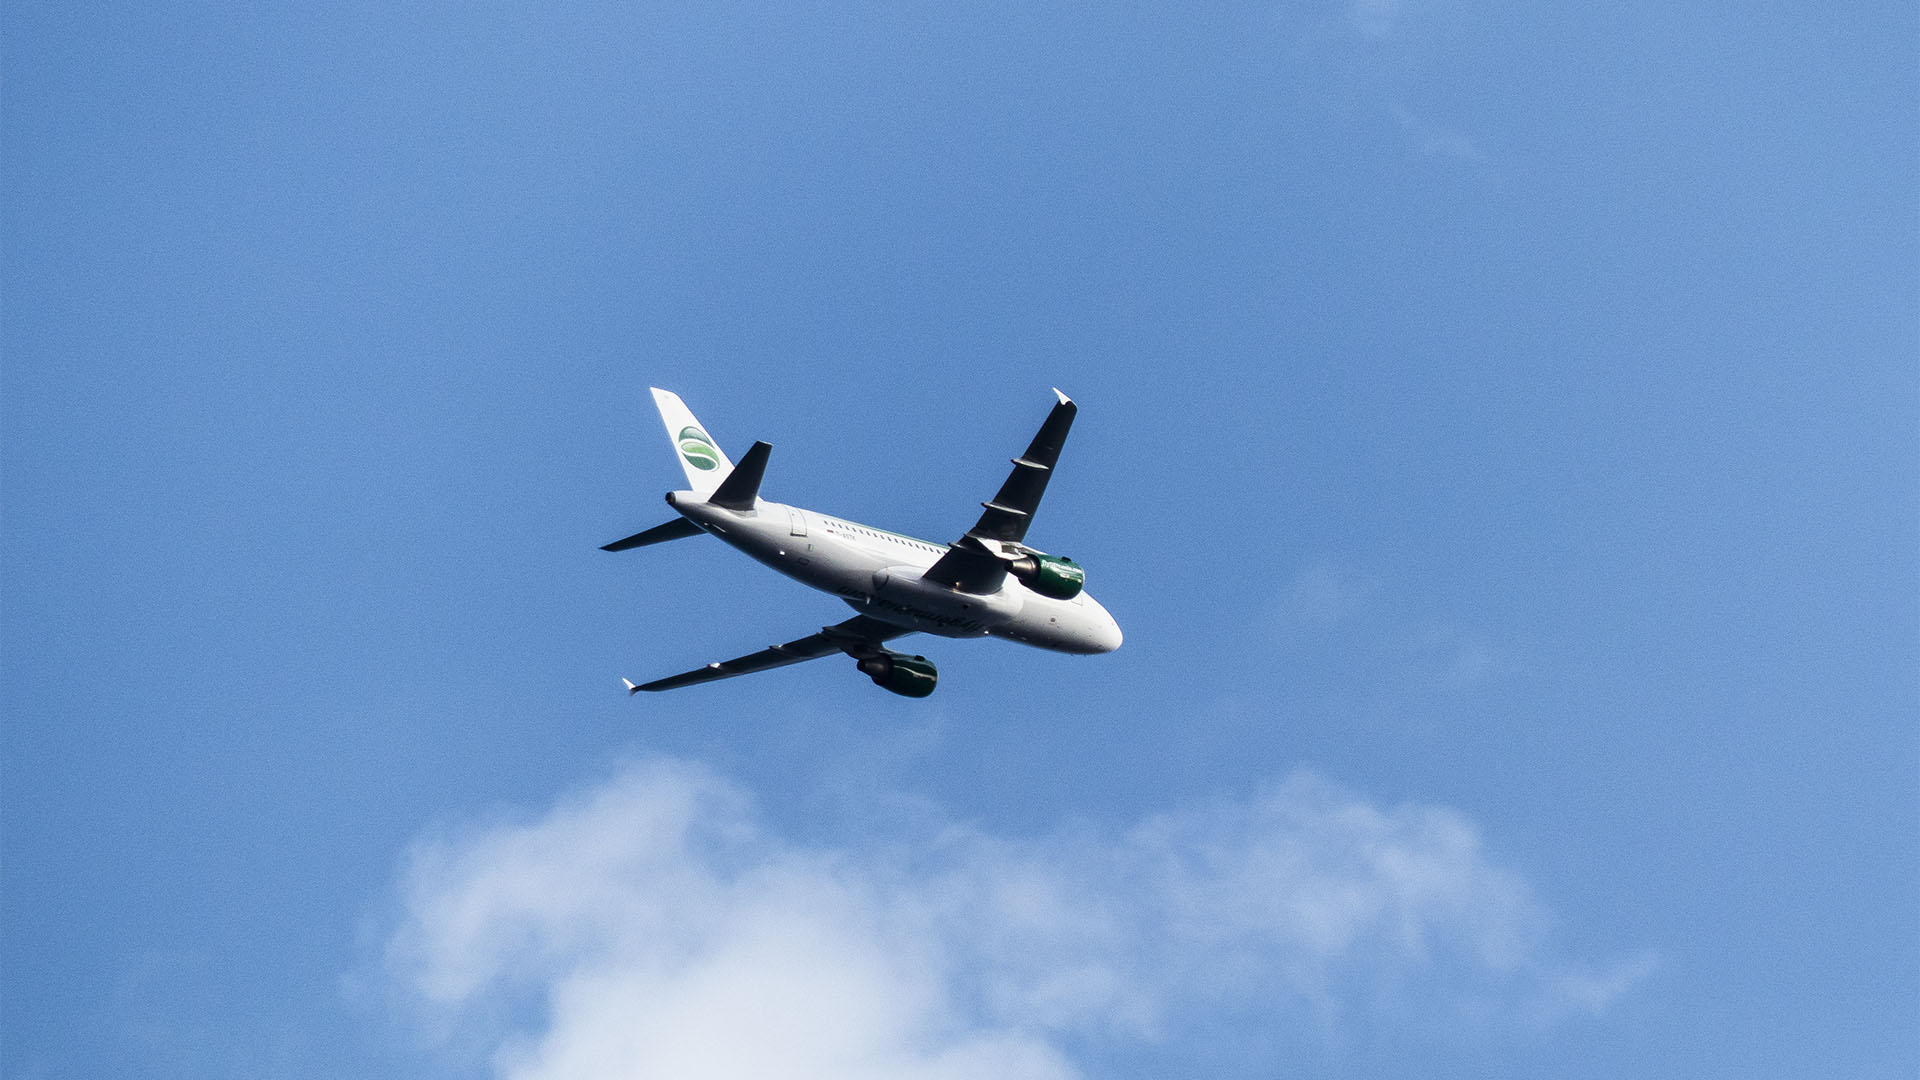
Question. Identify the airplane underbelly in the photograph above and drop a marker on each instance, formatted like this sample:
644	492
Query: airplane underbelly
903	597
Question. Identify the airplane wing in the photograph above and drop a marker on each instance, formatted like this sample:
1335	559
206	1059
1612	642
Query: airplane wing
970	564
859	636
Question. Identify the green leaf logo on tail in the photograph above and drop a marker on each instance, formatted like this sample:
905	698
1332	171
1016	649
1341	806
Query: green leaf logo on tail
698	449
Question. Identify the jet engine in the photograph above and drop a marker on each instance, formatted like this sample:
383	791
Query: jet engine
908	676
1049	575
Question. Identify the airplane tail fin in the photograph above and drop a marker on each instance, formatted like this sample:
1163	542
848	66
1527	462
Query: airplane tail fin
706	466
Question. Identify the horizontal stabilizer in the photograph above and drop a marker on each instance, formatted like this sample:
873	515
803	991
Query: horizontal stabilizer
742	486
672	530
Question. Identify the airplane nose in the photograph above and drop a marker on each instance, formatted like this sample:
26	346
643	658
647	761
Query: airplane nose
1104	634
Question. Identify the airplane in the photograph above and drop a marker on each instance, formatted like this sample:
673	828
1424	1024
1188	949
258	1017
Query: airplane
988	583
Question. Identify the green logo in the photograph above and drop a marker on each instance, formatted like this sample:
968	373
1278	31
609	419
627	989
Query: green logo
698	449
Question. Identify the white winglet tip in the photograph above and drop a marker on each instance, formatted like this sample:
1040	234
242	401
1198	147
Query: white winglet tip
631	689
1064	399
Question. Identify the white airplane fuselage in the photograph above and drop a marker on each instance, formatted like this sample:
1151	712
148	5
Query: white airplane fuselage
878	573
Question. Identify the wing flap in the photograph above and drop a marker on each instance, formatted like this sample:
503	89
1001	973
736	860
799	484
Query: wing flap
969	567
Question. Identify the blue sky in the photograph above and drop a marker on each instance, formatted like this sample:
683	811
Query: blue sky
1499	439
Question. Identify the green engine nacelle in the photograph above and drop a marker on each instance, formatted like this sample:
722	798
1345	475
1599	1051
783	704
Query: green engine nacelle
908	676
1050	575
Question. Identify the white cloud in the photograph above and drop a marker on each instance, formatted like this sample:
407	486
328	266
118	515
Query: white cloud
1435	140
1391	54
655	927
1376	18
1322	595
